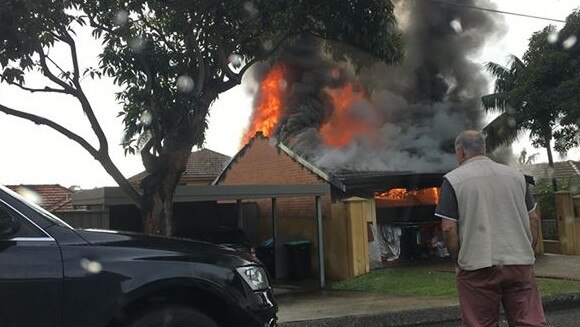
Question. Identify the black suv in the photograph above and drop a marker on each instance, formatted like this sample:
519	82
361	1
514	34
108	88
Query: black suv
228	236
54	275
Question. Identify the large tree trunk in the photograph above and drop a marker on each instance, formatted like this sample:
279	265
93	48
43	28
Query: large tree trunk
551	164
159	189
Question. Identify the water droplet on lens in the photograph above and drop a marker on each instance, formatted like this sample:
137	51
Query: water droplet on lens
92	267
121	17
146	118
268	45
30	195
456	25
512	122
282	84
335	73
185	84
251	9
235	60
569	42
137	44
550	172
553	37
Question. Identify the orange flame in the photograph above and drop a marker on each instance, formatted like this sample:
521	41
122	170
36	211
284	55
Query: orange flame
269	108
337	132
342	126
400	195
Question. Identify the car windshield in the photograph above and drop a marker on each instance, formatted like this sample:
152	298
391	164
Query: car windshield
47	215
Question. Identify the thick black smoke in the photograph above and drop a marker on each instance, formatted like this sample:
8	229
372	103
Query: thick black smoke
416	108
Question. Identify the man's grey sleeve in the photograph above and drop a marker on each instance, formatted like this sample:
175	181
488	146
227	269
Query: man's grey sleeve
447	207
530	202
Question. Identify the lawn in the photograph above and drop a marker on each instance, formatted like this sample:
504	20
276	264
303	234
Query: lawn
422	282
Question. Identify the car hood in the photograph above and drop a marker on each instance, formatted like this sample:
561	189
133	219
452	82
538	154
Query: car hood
179	246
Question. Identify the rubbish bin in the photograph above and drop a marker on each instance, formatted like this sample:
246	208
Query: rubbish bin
298	259
409	242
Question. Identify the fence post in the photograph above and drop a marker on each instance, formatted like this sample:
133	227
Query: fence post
540	246
565	216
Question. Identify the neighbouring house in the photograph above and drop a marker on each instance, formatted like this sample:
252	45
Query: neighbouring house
58	200
564	171
358	204
52	197
203	167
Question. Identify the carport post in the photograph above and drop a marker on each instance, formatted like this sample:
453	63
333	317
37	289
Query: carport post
320	242
274	236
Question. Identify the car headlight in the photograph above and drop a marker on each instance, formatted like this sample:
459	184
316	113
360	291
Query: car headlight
255	277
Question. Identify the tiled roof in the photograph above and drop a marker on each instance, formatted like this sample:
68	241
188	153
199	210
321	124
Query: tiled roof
53	197
345	179
203	165
562	170
259	135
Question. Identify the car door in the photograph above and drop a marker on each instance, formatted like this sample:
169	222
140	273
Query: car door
31	276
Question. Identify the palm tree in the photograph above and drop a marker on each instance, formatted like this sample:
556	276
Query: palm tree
512	121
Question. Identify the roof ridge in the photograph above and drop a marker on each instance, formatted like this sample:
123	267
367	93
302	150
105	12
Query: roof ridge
240	153
60	203
573	165
327	176
209	150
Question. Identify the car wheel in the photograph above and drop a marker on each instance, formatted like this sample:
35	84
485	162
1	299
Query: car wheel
173	316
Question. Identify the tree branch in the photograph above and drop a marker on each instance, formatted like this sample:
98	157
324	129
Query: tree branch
233	82
94	24
224	62
47	122
103	158
48	73
150	161
80	94
73	53
45	89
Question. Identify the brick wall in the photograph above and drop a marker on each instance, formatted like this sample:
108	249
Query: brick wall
264	164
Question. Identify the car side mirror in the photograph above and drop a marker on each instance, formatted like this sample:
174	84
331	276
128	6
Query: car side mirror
8	223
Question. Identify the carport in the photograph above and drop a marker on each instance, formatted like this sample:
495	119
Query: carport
112	196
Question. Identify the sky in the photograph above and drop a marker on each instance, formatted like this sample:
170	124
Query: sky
32	154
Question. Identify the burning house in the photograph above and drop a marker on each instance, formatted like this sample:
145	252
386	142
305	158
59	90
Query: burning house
382	136
360	204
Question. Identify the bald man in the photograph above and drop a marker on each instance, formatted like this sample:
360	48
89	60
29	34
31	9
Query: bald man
490	227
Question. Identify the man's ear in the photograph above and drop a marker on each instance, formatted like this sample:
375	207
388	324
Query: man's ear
459	153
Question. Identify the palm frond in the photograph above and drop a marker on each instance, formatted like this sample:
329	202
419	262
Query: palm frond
503	130
516	65
495	101
497	70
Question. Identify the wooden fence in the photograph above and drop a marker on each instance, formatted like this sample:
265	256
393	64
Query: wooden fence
85	219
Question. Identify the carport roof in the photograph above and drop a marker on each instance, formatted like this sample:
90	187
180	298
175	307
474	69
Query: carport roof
110	196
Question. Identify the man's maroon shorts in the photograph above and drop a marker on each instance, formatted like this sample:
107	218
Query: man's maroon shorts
481	292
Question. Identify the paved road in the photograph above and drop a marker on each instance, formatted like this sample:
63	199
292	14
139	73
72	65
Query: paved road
558	318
